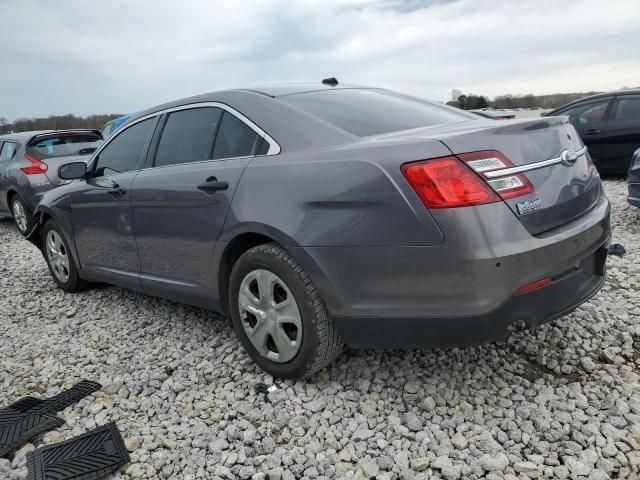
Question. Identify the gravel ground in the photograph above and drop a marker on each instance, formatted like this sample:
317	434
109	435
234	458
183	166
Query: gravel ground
562	402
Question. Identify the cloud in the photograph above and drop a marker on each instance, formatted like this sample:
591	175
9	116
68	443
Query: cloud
121	56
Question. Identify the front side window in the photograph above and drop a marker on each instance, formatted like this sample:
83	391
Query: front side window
584	115
235	138
124	152
627	109
188	136
8	151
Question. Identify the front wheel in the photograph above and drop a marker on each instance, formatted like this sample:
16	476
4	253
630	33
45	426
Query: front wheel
278	314
60	260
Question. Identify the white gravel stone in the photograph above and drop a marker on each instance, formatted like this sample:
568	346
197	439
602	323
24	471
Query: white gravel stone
560	402
494	463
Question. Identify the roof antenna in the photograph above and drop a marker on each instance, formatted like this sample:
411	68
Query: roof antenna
332	81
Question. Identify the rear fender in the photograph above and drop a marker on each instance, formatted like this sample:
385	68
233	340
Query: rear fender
306	261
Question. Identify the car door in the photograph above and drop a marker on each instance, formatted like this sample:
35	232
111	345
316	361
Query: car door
180	204
101	211
590	120
623	132
7	153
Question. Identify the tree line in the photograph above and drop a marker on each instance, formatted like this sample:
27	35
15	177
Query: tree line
55	122
555	100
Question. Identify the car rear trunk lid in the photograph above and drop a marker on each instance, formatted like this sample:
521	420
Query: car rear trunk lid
563	190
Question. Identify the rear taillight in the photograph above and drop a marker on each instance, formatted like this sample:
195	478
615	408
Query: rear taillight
446	182
459	181
36	167
507	186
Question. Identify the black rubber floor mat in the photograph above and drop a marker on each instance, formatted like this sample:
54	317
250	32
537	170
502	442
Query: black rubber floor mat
57	403
18	428
28	417
90	456
25	404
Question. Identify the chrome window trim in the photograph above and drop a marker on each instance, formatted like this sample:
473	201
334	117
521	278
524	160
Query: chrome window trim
274	147
530	166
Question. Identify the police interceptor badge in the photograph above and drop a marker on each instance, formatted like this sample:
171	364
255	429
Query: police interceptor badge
529	206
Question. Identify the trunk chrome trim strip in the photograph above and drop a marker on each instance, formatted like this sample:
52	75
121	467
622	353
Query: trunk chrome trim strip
531	166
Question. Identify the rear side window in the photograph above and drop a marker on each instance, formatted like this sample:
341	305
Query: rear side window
365	112
235	138
8	151
124	152
188	136
627	109
588	114
65	145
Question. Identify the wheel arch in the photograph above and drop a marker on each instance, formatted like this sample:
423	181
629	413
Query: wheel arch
244	237
12	191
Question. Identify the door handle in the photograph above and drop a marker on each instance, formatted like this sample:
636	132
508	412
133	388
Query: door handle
593	131
212	185
116	190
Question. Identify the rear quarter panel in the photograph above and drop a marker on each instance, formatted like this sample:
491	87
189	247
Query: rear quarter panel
336	197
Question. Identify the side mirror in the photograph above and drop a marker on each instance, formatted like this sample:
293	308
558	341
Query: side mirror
72	171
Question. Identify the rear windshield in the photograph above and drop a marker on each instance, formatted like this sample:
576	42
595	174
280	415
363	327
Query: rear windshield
365	112
65	145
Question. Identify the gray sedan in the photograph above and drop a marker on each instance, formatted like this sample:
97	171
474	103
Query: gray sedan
319	215
29	164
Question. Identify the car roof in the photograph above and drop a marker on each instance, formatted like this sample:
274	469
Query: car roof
229	96
617	93
279	90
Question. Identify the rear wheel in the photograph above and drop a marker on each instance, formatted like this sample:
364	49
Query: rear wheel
21	215
278	314
59	259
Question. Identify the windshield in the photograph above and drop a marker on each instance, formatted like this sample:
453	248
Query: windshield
365	112
65	145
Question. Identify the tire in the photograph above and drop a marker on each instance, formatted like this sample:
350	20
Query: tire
21	215
52	241
267	316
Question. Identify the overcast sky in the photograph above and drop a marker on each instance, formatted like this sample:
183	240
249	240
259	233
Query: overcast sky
118	56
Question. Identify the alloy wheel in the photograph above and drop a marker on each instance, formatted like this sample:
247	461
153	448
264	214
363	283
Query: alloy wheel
20	215
270	316
58	256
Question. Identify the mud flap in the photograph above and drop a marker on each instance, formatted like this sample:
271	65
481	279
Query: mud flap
90	456
34	235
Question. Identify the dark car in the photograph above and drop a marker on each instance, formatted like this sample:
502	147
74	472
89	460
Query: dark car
318	215
29	164
633	179
494	114
609	124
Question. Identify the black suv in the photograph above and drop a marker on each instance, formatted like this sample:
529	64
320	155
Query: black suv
609	124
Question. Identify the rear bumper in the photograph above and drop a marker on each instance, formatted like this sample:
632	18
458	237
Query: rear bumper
461	291
564	295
